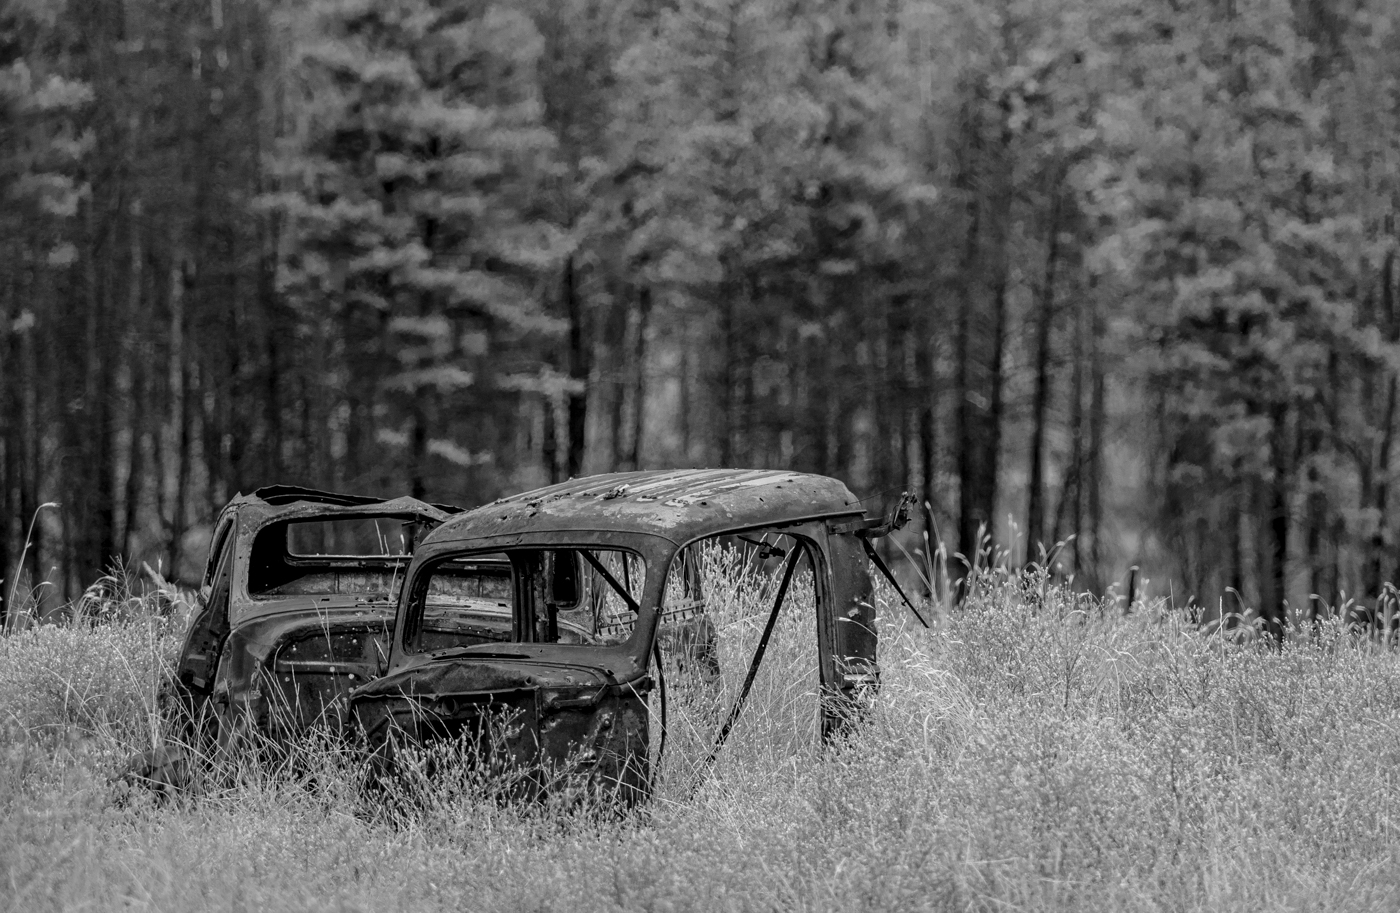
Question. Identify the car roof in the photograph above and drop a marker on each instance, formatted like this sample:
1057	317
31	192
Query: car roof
679	504
275	502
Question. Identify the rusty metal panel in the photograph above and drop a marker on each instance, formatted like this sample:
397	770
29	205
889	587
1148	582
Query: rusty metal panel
553	726
850	669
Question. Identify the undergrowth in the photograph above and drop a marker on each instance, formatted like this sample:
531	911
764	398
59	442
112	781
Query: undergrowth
1034	751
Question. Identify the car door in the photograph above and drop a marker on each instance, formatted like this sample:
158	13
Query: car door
199	657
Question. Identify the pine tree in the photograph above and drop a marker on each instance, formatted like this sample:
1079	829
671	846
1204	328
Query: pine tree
416	241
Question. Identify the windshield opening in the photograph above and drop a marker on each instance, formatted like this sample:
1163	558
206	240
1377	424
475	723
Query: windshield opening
571	596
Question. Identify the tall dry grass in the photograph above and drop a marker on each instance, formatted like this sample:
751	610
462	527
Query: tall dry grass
1032	752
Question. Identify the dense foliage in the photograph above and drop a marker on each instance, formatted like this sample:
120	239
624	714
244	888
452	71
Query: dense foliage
1124	273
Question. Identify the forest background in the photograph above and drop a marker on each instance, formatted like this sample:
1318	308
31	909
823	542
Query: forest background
1107	273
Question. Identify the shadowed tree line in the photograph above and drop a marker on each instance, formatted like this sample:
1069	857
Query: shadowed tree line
1071	271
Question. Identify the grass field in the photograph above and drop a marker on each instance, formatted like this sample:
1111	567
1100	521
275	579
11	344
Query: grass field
1018	758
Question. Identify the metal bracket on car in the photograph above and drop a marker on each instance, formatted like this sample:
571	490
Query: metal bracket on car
876	527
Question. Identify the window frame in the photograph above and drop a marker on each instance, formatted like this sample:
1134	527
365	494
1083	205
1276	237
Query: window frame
524	599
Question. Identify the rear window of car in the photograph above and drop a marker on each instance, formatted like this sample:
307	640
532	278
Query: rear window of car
359	537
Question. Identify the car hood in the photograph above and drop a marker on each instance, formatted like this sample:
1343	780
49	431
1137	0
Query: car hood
473	673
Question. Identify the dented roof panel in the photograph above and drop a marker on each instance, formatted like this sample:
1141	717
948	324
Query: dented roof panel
679	505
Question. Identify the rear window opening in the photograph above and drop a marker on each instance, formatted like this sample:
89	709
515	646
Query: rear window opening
334	556
363	537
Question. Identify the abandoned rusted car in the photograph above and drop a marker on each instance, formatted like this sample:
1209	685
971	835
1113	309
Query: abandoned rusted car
596	575
296	604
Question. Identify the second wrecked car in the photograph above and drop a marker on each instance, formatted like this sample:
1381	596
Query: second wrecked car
295	607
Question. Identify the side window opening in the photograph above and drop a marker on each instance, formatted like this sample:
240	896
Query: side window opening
720	597
610	589
687	638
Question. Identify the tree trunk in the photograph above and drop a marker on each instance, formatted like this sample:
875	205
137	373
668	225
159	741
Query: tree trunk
1276	529
927	416
904	345
10	543
135	351
95	509
987	182
136	454
639	377
967	520
687	393
1097	420
728	374
994	420
972	515
1070	491
1035	511
580	370
1374	575
746	346
1315	523
883	401
549	445
275	329
183	410
418	448
31	449
617	345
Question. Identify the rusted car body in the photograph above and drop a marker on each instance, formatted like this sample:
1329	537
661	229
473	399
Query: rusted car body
296	605
608	559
